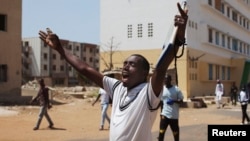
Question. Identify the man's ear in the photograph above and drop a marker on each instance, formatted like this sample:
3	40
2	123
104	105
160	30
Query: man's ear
145	73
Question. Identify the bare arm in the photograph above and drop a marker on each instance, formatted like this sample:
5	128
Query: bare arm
82	67
97	98
36	97
178	101
161	68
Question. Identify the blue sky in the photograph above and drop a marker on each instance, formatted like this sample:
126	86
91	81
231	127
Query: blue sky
75	20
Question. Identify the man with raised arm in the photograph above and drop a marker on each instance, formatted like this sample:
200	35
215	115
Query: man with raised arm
134	100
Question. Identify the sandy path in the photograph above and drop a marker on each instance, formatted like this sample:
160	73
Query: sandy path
79	121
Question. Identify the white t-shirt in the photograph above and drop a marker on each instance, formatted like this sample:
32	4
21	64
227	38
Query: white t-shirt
243	98
104	96
131	117
174	93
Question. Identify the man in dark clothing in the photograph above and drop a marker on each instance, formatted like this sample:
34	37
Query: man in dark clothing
43	97
234	90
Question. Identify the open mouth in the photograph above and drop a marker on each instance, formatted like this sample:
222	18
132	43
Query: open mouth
125	76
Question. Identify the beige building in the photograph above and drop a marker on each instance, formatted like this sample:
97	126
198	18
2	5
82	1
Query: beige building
10	54
42	61
217	37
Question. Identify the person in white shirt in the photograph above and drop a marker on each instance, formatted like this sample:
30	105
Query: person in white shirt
219	91
243	99
135	98
104	106
172	97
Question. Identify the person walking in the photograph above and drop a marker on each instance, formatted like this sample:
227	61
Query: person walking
243	99
43	98
172	97
219	91
104	106
135	98
234	90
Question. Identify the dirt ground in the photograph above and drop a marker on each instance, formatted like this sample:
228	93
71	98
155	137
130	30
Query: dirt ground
78	120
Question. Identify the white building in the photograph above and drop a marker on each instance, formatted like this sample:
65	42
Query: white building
217	36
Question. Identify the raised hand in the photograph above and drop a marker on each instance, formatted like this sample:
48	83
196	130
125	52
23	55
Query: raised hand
50	39
181	21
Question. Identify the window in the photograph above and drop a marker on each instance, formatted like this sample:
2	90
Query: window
228	12
54	67
240	48
3	73
228	73
234	16
44	45
217	4
248	50
223	72
217	38
210	35
210	71
45	56
70	47
240	19
3	22
189	23
45	67
150	29
244	22
97	61
139	30
223	40
62	68
217	72
222	8
26	43
97	50
54	56
70	68
130	29
228	42
195	65
235	45
210	2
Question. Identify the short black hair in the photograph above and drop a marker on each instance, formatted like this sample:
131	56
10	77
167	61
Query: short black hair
243	88
145	62
41	82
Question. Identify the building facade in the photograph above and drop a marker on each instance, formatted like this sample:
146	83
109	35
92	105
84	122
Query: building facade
10	54
42	61
217	37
